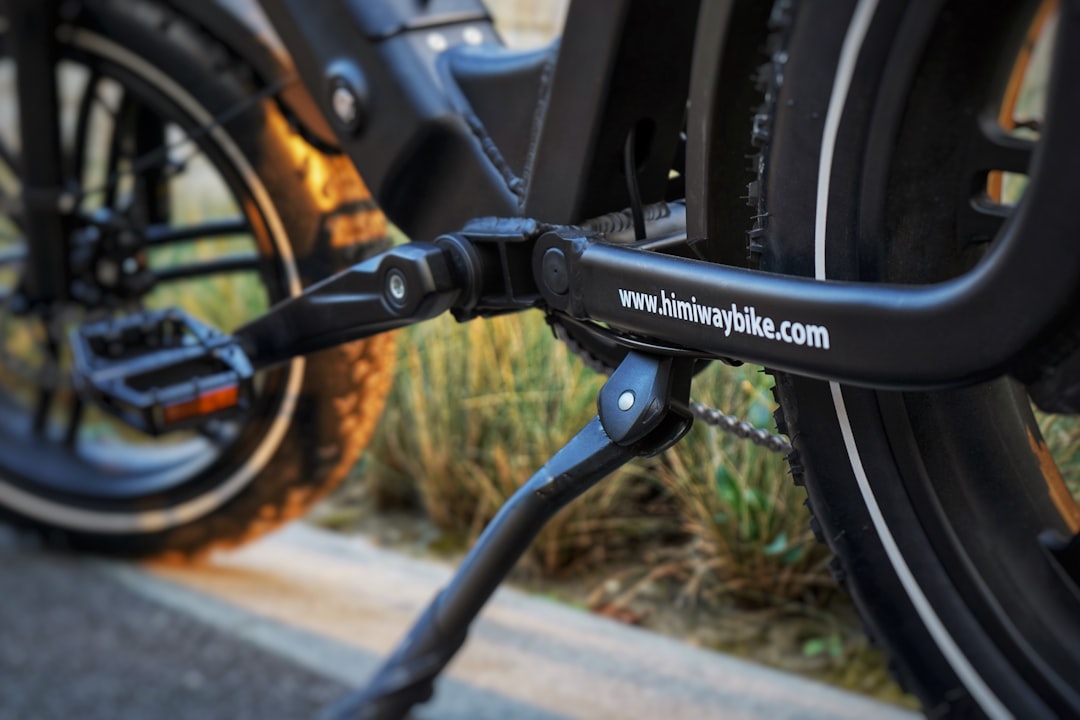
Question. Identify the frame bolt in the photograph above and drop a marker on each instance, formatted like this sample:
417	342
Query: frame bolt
395	286
348	97
472	36
344	103
437	42
626	400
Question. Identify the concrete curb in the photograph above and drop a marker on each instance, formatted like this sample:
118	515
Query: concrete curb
335	605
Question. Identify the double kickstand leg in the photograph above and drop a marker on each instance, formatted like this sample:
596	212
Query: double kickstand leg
642	410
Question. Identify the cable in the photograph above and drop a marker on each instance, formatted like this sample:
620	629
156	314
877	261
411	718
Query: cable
630	168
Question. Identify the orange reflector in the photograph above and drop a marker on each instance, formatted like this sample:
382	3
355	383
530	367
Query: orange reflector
205	404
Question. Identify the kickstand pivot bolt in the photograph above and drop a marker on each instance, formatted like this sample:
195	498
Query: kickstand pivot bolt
626	400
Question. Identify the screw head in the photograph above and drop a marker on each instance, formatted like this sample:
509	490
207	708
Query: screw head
395	286
66	202
108	273
437	42
344	103
472	36
626	400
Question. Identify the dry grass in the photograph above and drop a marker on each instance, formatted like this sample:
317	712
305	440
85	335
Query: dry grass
475	411
746	521
478	408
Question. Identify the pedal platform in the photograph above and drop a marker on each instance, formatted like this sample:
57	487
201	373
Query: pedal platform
161	371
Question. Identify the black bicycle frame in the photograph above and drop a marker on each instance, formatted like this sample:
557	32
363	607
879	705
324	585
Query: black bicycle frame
32	30
447	127
887	336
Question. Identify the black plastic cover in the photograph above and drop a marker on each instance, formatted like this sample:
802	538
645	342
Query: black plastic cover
380	20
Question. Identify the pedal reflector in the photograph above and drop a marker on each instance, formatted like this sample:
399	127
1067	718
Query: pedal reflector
206	403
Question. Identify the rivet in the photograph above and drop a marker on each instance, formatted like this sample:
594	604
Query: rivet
472	36
437	42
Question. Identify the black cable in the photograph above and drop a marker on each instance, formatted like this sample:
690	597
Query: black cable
630	168
160	155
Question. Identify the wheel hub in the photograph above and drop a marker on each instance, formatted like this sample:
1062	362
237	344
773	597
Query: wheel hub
109	262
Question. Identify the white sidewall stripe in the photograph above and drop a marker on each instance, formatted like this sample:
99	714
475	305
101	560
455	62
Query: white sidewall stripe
969	676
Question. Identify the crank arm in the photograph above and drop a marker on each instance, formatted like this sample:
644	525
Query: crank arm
641	411
164	370
402	286
161	371
485	269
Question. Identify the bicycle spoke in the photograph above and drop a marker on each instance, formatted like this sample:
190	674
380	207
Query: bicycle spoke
117	149
9	159
999	152
41	410
159	235
160	156
74	421
997	149
46	392
239	262
978	224
82	125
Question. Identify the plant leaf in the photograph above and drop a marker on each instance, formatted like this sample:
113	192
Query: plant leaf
777	546
727	487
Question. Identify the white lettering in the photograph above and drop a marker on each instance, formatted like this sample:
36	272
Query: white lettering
746	321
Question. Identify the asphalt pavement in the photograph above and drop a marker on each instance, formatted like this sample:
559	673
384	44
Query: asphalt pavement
283	627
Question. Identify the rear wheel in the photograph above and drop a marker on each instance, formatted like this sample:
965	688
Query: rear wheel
191	188
885	157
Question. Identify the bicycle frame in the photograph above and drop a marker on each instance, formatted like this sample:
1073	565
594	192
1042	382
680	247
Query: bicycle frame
445	132
447	128
33	29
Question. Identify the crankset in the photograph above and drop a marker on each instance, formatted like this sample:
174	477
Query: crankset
163	371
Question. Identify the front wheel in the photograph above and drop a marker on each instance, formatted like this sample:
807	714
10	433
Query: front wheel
192	189
886	119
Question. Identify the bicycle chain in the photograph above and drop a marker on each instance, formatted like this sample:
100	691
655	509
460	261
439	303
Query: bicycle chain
730	424
740	428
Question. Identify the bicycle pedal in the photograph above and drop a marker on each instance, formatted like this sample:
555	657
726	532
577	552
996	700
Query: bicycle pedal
161	371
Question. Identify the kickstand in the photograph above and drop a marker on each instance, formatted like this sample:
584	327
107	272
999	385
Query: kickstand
642	411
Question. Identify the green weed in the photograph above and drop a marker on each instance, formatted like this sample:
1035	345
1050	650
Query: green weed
478	408
475	411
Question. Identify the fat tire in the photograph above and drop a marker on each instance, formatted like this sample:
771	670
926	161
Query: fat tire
330	222
913	599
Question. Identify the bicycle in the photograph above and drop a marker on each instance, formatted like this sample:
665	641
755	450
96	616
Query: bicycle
908	309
